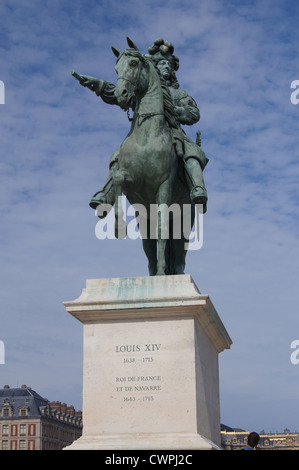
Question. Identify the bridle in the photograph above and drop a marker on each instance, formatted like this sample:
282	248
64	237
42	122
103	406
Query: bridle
134	84
120	77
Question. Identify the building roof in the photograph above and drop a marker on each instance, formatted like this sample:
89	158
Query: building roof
22	396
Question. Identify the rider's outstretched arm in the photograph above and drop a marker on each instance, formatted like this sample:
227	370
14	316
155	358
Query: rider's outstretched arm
100	87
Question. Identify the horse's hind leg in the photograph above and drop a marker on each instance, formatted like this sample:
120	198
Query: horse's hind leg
150	249
180	256
180	246
149	244
163	200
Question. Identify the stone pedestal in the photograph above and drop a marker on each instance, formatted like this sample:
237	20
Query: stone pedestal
150	373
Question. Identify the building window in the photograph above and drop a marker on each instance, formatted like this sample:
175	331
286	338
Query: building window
4	445
31	429
5	430
13	445
22	444
22	429
31	445
7	409
23	411
14	430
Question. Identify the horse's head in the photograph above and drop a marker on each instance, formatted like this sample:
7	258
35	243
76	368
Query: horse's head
132	80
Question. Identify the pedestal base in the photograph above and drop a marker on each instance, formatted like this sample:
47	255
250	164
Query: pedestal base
156	441
150	375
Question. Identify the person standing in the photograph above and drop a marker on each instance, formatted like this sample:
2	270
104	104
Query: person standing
252	441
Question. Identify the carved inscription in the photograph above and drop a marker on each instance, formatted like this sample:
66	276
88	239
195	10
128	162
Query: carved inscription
137	348
144	385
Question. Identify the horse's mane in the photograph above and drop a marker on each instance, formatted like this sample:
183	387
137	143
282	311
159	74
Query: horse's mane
169	110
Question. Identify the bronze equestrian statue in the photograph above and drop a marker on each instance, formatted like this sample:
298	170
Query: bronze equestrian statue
157	165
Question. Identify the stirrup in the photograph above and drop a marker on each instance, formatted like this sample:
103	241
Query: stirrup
95	201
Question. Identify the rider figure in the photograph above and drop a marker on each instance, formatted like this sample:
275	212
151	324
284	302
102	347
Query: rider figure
187	113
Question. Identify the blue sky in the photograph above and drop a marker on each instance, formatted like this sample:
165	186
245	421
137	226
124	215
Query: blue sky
237	60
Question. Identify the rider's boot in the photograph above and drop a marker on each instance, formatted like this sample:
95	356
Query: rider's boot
104	197
107	193
198	192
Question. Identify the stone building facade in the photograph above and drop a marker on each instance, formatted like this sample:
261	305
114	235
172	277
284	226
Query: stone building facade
30	422
236	439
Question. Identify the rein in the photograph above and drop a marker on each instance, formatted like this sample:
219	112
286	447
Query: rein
144	115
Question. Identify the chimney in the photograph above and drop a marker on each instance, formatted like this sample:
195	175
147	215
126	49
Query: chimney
70	410
63	408
55	405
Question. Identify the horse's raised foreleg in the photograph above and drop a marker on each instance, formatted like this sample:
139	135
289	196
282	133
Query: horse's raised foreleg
120	229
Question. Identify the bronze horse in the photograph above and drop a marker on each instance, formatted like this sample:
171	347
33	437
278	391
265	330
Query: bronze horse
148	172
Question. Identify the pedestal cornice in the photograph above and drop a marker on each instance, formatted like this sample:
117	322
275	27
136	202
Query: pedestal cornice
154	297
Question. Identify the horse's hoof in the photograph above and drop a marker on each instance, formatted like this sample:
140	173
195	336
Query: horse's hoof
120	231
161	273
152	271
